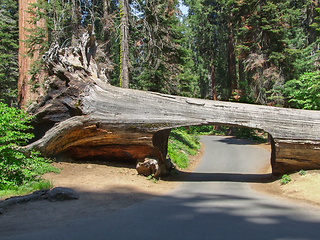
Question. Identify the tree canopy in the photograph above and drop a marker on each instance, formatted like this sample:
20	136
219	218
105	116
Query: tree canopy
239	50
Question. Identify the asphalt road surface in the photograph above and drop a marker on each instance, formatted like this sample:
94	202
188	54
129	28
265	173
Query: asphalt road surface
215	202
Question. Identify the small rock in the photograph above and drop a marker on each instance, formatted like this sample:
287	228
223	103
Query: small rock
89	166
61	194
1	211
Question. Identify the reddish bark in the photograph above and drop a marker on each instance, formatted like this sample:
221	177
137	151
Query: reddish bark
25	93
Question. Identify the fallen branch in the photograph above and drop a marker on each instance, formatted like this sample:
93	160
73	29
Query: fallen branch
37	195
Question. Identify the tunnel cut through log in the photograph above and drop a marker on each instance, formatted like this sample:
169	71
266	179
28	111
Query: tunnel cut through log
81	115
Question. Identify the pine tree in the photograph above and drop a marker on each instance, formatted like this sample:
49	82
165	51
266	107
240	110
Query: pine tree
262	34
157	51
209	37
9	44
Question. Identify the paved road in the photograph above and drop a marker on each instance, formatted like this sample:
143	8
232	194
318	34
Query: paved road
215	202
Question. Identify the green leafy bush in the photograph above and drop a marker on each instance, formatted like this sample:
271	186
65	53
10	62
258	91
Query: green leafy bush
302	172
285	179
181	144
17	166
304	93
190	140
201	130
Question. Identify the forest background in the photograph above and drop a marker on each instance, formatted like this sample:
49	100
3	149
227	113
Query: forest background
264	52
254	51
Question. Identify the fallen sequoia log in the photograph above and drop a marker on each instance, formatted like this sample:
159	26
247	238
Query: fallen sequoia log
82	116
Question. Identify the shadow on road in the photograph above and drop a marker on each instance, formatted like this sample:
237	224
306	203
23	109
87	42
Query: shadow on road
236	141
225	177
191	216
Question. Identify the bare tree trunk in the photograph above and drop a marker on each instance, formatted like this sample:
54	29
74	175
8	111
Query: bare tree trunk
213	80
231	56
25	93
311	14
241	72
106	21
124	45
74	20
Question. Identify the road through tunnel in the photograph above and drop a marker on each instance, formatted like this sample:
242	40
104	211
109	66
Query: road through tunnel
183	140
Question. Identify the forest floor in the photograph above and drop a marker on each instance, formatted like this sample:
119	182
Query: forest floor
108	186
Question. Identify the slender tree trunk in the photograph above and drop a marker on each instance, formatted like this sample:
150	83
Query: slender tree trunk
124	45
213	80
203	86
242	77
25	93
74	20
106	22
311	14
231	56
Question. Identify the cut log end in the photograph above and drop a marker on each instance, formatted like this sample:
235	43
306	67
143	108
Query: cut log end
293	156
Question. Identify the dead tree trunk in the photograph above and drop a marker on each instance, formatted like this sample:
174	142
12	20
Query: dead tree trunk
124	48
82	116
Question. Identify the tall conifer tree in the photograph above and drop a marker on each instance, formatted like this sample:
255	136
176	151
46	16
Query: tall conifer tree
9	35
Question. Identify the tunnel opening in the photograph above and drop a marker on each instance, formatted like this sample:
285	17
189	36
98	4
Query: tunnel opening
183	148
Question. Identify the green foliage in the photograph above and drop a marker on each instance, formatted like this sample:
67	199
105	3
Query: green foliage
285	179
177	155
160	59
249	133
304	93
221	131
18	167
26	189
151	177
245	133
207	32
242	133
181	144
302	172
201	130
190	141
9	45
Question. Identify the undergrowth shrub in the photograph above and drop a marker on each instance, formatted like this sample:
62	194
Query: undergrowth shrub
17	166
304	93
181	144
285	179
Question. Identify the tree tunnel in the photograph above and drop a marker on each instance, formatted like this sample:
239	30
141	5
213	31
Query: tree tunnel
85	116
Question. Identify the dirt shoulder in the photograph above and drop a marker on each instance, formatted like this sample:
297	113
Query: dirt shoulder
303	189
102	187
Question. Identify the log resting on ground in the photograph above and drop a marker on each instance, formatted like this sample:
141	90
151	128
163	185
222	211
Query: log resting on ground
82	116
